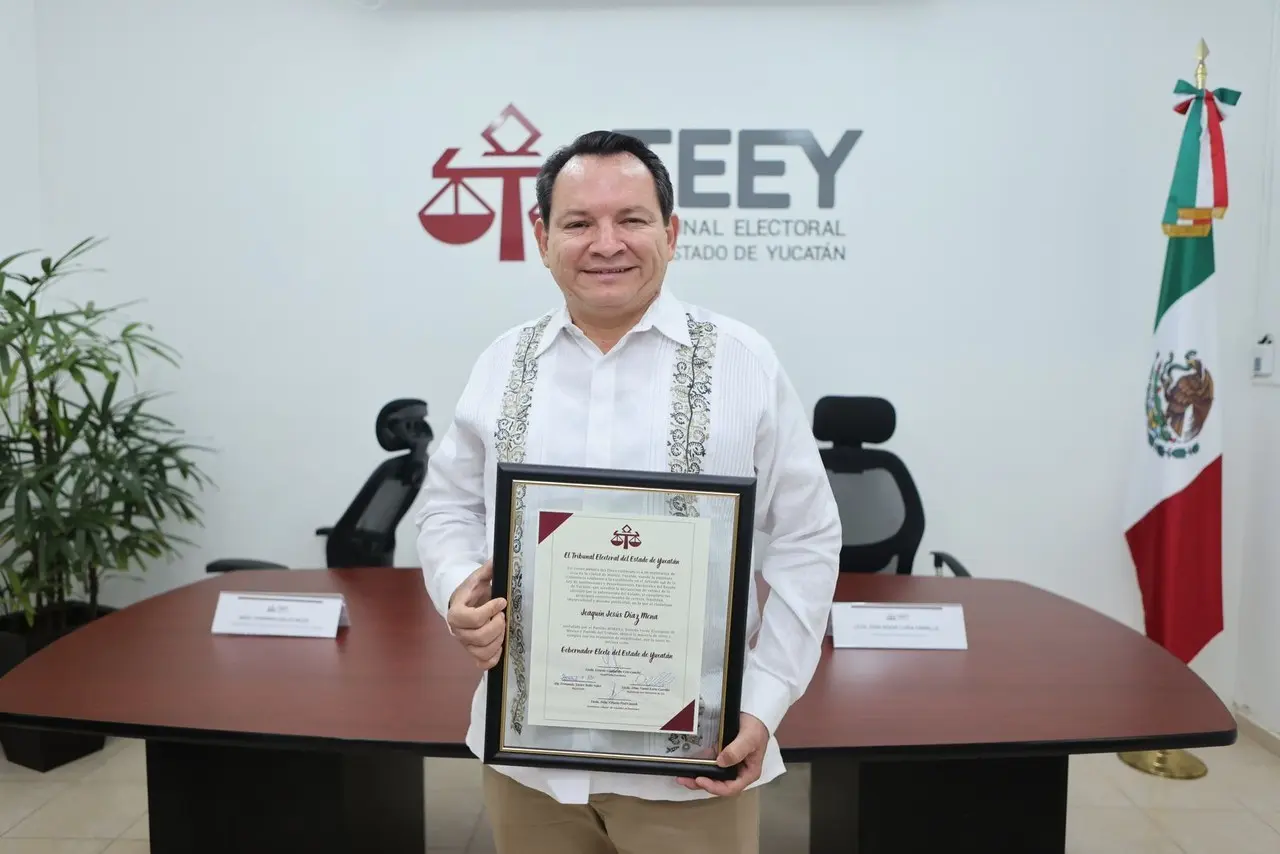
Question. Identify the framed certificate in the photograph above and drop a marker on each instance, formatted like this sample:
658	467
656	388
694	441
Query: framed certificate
626	619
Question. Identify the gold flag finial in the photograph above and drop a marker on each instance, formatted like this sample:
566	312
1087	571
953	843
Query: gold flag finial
1202	51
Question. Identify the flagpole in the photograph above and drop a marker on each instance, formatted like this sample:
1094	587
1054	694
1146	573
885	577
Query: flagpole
1173	764
1202	53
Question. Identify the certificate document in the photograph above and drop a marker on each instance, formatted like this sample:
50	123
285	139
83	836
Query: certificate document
627	600
621	602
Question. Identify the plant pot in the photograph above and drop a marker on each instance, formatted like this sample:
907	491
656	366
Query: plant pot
13	649
42	750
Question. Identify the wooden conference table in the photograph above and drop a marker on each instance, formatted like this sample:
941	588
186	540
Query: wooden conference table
291	744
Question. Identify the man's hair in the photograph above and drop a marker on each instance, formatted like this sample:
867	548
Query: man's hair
603	143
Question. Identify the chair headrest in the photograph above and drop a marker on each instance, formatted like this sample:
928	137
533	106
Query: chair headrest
402	425
854	420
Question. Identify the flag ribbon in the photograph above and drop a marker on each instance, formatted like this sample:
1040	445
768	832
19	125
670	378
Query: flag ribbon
1184	214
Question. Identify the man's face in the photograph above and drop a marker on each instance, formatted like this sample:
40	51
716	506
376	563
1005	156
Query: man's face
606	244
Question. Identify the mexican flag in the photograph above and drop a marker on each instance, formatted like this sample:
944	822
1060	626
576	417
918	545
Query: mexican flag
1173	524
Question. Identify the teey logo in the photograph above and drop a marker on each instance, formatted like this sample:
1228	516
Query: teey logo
1179	397
457	226
796	238
626	537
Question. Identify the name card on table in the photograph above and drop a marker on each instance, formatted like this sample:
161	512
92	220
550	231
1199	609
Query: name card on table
311	615
870	625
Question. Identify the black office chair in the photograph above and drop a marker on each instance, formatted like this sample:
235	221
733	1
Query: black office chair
881	513
366	533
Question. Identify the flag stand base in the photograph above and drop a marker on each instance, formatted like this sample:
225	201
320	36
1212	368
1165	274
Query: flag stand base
1169	764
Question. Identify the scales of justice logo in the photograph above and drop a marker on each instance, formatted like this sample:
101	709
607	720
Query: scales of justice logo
1179	398
444	217
626	537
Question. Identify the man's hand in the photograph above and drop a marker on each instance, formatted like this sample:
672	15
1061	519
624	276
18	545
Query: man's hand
748	748
477	619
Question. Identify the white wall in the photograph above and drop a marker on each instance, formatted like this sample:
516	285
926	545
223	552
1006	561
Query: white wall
1258	689
19	158
259	167
1258	685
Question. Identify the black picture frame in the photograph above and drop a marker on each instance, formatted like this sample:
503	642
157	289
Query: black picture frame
743	491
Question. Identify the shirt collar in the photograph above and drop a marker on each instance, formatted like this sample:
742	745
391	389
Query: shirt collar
666	314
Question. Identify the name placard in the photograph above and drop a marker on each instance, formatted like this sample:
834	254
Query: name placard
891	625
310	615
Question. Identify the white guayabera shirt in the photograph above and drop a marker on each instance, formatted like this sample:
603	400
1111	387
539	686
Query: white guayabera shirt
685	390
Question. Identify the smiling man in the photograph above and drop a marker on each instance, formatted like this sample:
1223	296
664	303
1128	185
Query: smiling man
624	375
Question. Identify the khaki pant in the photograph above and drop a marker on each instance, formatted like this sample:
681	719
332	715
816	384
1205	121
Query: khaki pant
526	821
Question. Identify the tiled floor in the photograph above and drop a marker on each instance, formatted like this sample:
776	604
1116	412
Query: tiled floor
98	806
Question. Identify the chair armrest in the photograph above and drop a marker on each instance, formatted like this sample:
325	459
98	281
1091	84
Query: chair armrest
234	563
957	568
323	532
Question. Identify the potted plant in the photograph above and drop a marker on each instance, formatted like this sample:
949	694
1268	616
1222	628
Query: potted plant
91	476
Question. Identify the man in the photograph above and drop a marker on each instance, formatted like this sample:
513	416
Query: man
626	376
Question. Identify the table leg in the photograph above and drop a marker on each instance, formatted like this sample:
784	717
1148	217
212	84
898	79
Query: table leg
211	799
927	806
